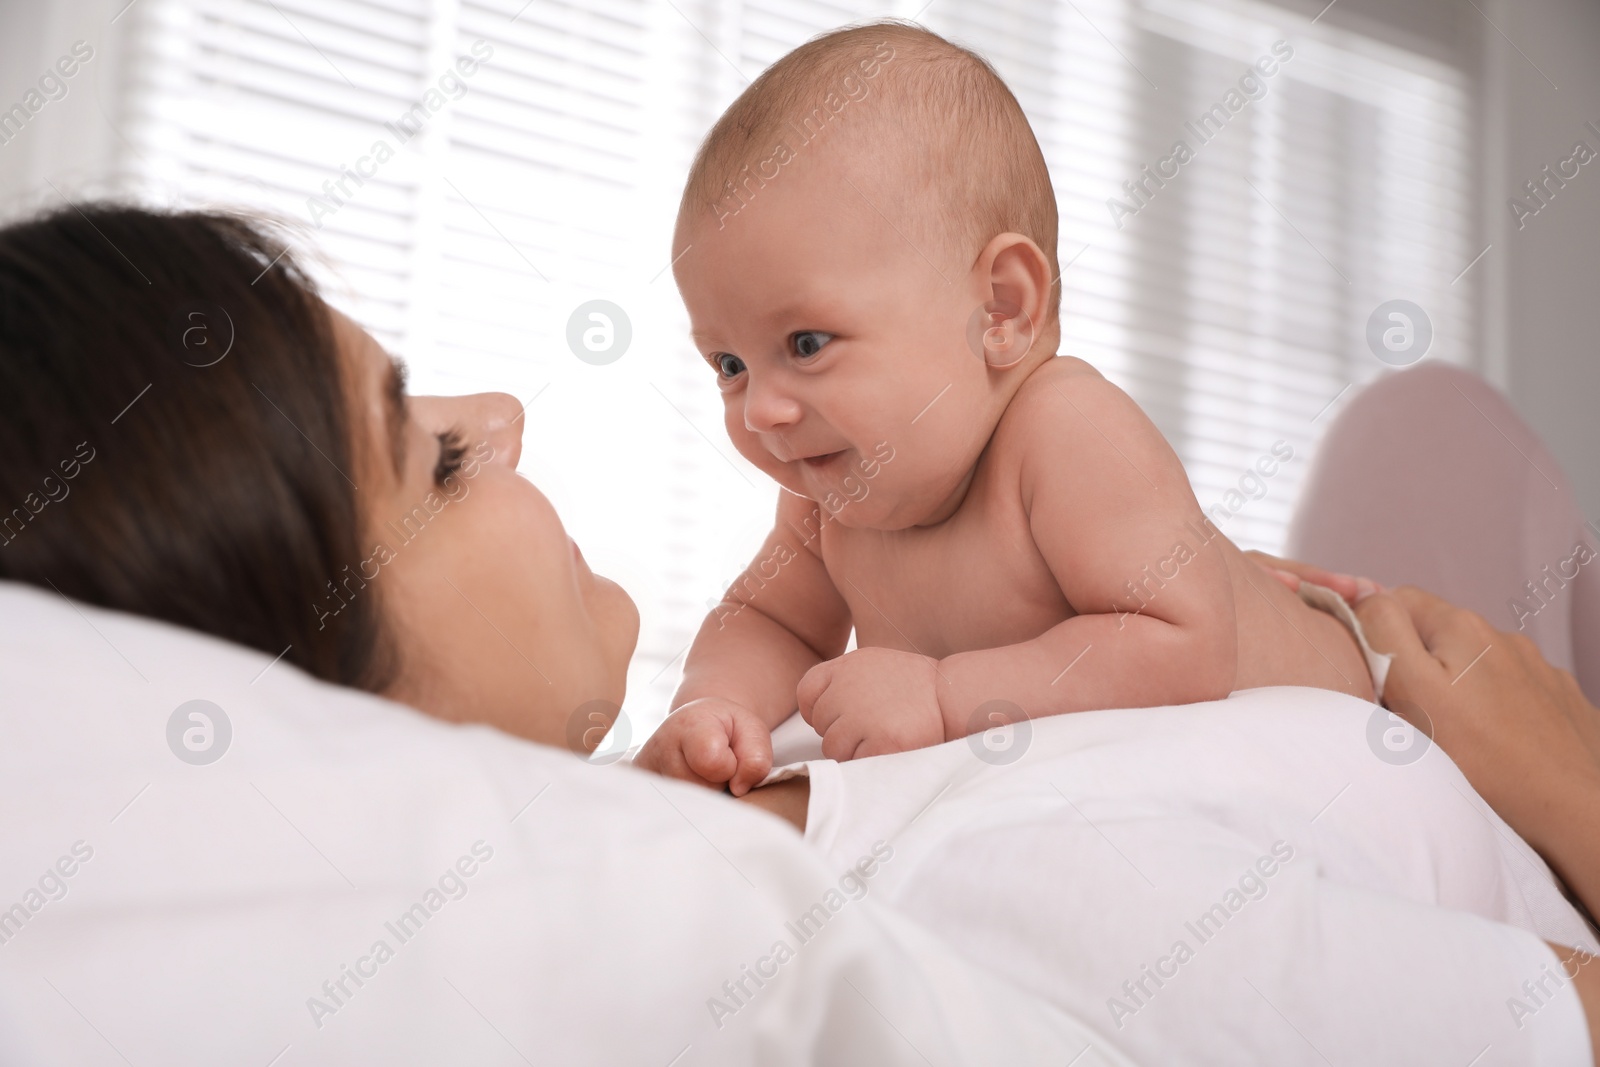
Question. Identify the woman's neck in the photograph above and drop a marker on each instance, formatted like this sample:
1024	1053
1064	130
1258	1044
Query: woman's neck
788	800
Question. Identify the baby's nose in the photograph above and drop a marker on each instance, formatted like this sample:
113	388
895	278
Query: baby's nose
767	410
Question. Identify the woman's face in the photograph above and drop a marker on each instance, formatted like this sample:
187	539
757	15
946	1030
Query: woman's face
494	614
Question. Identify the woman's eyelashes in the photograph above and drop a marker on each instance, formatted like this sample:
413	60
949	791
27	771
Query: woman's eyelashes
452	454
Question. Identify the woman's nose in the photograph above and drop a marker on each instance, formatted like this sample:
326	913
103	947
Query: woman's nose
768	409
502	418
496	418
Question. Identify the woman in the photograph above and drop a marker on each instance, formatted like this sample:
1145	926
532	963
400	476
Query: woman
207	856
256	473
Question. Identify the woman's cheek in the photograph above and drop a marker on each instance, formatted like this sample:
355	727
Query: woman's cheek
514	518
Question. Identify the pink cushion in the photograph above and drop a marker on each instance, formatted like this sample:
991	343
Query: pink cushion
1429	478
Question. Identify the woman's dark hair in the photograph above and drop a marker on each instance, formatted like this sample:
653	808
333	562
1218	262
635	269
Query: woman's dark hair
175	438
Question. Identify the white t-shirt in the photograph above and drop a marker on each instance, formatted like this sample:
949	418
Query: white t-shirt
352	882
1286	876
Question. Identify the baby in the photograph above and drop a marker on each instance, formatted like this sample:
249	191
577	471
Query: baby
867	250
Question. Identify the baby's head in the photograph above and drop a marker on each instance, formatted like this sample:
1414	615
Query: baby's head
867	249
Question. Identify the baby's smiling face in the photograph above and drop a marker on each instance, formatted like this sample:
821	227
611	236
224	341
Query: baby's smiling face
834	340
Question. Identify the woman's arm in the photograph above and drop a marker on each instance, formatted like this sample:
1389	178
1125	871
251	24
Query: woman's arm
1520	730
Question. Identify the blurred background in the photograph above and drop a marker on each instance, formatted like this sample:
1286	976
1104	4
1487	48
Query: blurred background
1434	152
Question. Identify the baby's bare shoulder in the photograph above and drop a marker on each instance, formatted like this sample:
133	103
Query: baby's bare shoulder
1064	368
1068	424
1068	396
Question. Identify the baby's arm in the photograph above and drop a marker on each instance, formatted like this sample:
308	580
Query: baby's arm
782	617
1112	513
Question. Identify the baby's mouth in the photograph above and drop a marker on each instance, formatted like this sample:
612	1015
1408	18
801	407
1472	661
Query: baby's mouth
817	462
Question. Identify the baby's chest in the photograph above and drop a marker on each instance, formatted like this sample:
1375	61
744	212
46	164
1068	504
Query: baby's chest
953	588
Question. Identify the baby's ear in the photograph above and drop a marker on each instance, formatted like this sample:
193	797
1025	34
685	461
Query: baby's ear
1019	284
1004	333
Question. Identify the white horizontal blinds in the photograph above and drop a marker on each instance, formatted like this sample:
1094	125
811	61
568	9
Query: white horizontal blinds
565	159
258	104
545	151
1297	220
1235	309
771	28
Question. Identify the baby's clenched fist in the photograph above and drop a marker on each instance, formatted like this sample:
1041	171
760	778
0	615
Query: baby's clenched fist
871	702
711	742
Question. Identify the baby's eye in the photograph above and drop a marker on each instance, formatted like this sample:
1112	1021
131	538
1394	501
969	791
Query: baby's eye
809	342
728	364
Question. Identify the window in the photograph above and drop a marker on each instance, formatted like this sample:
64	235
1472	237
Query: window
1229	294
1231	298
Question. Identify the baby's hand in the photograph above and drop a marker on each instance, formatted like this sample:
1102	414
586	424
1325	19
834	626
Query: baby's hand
872	701
710	741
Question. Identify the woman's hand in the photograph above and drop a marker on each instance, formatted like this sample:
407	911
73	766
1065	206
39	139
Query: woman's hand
1290	572
1519	729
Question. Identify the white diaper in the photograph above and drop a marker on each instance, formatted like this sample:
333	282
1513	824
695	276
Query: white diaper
1324	599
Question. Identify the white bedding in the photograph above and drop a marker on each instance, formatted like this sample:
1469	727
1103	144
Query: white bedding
576	914
558	912
1372	912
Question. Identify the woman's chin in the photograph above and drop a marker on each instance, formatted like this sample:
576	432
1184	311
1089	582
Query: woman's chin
621	626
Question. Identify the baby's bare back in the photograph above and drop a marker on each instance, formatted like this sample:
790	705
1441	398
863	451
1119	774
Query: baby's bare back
1284	641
